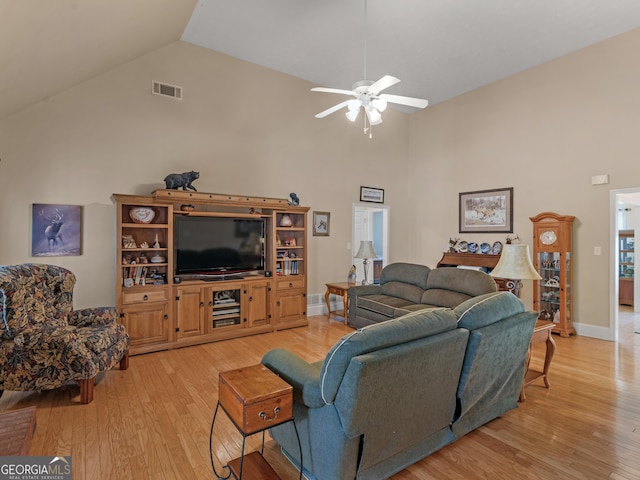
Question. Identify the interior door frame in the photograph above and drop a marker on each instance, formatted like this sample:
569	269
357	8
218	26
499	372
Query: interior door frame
385	234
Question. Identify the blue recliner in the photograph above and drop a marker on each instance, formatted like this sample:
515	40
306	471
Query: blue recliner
389	394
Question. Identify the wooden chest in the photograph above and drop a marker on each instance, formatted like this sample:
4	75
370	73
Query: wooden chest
255	398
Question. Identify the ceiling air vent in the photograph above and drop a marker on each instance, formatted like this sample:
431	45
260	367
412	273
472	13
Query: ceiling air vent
166	90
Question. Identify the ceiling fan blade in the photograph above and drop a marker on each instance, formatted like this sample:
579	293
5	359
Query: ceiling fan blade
335	108
385	82
332	90
408	101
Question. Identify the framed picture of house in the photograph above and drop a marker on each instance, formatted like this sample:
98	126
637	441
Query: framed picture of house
369	194
321	223
486	211
55	230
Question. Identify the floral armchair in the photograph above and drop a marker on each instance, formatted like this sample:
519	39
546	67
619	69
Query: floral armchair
44	343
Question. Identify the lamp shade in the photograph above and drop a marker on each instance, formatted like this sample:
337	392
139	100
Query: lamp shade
366	250
515	263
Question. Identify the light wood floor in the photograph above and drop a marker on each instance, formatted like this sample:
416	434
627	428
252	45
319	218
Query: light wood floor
153	420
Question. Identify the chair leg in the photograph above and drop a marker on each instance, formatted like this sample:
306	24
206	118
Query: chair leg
86	390
124	361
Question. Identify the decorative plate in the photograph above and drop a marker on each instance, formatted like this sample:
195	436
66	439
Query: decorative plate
462	247
142	214
496	249
485	247
473	247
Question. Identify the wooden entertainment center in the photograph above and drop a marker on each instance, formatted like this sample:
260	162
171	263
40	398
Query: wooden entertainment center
162	311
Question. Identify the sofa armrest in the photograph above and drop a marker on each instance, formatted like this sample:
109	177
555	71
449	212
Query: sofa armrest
364	290
89	317
304	377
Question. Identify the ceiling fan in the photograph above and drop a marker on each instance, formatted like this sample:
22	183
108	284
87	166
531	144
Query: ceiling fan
367	95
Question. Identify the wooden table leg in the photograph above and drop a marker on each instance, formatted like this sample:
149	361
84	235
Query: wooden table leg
327	299
551	349
345	301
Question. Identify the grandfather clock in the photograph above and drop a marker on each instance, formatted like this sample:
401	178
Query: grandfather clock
552	295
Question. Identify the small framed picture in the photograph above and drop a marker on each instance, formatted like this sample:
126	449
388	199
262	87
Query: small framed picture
369	194
321	223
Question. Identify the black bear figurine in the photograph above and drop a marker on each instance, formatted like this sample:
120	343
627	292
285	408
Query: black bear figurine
294	199
174	181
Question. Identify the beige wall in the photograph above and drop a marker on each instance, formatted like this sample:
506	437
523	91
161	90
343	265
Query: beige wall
544	132
248	130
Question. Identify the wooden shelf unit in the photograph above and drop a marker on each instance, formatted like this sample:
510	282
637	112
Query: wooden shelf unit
160	313
626	267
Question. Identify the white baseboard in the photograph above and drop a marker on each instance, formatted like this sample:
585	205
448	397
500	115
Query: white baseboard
593	331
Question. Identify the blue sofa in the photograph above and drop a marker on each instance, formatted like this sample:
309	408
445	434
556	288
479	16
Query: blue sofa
392	393
409	287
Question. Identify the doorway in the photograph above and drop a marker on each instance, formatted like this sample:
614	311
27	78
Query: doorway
625	222
370	223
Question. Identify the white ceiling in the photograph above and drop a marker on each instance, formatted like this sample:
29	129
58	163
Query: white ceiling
438	48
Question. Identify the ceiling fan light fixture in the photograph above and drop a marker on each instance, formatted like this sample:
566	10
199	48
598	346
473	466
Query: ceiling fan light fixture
353	114
379	104
374	116
354	105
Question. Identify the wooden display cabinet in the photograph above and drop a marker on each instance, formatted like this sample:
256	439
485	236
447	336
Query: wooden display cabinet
626	267
161	314
553	294
290	251
143	257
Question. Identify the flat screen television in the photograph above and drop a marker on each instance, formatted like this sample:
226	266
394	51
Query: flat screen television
218	245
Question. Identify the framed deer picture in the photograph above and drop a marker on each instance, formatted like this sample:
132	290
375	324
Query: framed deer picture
55	230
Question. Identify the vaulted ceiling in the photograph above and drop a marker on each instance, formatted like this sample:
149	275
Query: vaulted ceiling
438	48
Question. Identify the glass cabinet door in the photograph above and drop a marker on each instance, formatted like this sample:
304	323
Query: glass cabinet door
554	289
626	259
549	285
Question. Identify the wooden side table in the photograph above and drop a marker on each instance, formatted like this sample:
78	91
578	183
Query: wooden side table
255	399
541	333
16	431
341	289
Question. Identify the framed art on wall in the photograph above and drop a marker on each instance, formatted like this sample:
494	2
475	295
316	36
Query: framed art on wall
486	211
369	194
321	223
55	230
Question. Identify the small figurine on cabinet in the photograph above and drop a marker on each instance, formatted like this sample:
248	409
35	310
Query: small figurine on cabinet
514	239
294	200
174	181
452	245
352	274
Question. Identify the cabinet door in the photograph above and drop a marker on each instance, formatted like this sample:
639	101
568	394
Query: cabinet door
291	306
189	311
146	324
256	306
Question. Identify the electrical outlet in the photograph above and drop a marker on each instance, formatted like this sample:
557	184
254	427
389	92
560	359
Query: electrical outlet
597	250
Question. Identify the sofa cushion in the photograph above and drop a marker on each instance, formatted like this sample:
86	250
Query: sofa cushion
413	307
383	304
410	273
485	309
403	290
450	286
380	335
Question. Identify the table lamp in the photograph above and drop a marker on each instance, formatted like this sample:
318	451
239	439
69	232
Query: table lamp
365	252
515	265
